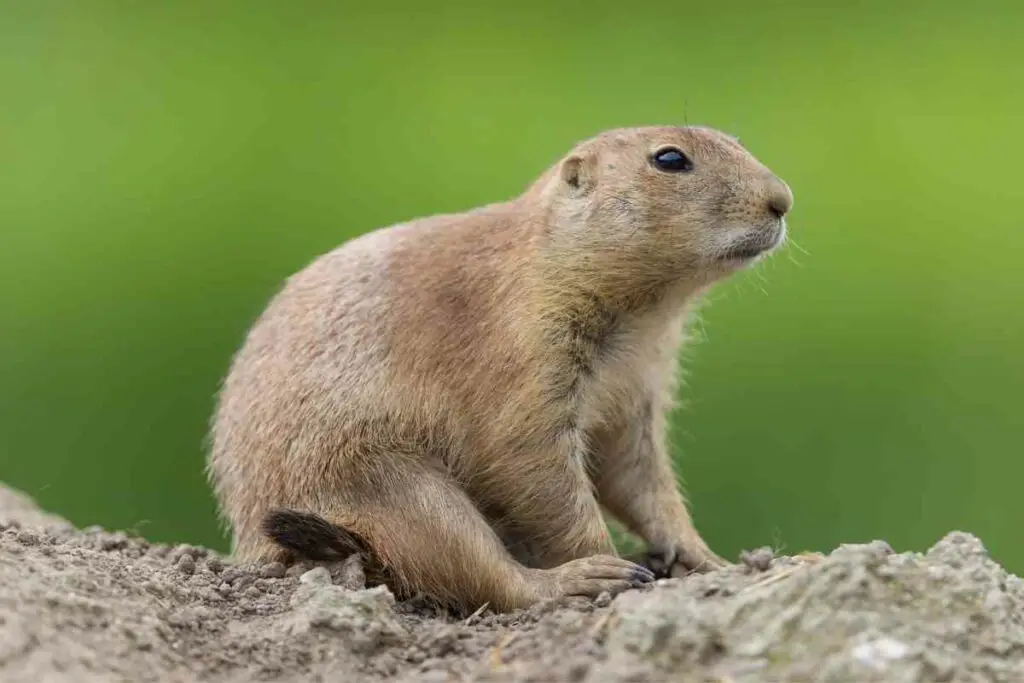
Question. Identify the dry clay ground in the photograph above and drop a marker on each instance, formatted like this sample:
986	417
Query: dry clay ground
88	605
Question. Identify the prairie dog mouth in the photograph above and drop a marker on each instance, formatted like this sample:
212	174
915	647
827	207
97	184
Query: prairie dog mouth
755	245
743	253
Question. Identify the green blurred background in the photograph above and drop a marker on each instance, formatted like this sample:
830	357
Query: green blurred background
163	166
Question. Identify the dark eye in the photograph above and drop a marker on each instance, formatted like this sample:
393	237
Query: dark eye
672	160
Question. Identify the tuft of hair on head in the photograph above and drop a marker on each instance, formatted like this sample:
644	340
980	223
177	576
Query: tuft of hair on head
310	535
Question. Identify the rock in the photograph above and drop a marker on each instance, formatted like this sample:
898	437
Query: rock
186	564
759	560
352	575
366	618
272	570
864	614
317	576
98	606
18	508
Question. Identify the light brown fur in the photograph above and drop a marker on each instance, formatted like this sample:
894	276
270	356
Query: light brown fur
466	392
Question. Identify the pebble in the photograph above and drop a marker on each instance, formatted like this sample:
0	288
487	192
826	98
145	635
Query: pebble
26	537
186	564
318	576
115	541
882	547
273	570
759	560
297	569
230	575
153	587
353	575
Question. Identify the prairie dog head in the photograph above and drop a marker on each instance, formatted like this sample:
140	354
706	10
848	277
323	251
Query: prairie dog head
662	205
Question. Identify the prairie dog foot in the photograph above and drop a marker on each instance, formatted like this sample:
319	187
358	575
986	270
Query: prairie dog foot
590	576
679	559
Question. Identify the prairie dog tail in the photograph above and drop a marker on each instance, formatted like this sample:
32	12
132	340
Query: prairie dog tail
311	536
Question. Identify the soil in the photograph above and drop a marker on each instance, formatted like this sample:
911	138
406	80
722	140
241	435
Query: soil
91	605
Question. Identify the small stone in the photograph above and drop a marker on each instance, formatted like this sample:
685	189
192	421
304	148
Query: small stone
871	554
297	569
881	547
603	600
243	581
154	588
578	671
203	571
957	546
272	570
215	565
26	537
318	576
186	564
877	654
115	541
366	617
759	560
352	575
186	549
942	666
158	551
543	607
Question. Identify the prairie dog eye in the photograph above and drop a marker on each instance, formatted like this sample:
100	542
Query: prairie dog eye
672	160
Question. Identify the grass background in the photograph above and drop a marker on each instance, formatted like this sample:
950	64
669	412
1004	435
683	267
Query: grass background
163	166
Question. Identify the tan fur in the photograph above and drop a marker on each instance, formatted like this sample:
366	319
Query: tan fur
466	392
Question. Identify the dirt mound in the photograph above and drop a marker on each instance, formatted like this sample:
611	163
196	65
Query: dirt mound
89	605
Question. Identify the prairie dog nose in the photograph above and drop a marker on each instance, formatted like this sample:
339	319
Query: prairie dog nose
780	197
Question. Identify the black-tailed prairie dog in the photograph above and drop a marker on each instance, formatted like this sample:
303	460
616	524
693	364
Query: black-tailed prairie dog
460	397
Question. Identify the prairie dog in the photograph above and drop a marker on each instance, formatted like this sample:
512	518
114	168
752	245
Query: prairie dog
460	397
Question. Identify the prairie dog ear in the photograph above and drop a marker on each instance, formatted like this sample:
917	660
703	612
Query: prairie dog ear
578	171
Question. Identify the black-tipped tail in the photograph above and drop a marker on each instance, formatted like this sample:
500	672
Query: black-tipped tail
311	536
